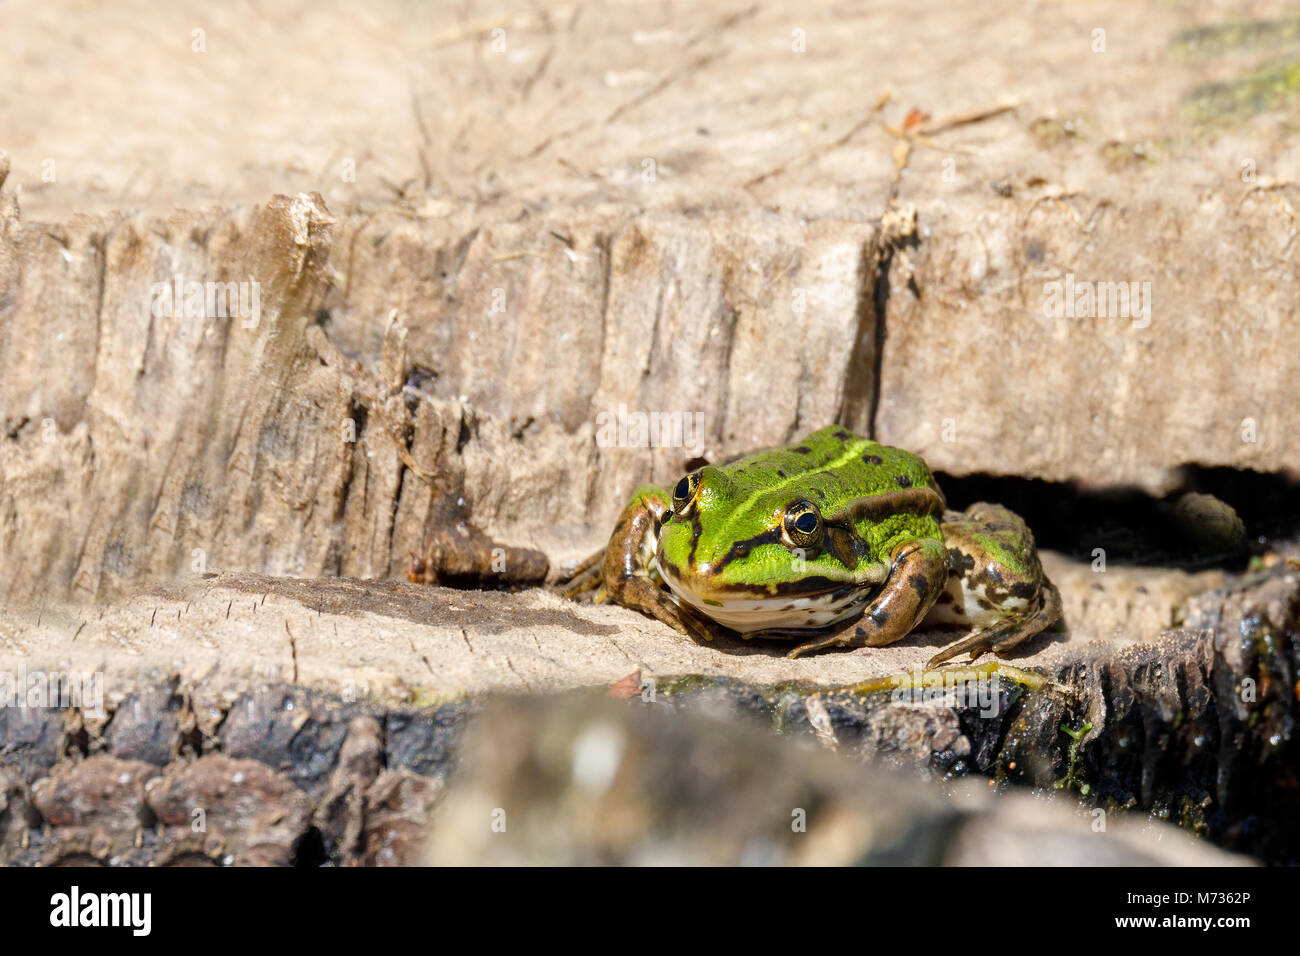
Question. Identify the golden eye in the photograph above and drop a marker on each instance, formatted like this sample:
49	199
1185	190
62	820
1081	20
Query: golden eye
684	494
802	527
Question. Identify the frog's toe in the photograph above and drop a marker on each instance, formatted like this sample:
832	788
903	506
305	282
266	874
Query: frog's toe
1004	635
582	579
839	639
976	644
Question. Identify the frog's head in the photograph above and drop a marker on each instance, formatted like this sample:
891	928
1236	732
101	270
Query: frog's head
759	558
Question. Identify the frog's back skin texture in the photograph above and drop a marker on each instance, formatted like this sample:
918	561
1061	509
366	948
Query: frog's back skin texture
870	496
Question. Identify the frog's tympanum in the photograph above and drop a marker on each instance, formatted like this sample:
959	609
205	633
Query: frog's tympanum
837	541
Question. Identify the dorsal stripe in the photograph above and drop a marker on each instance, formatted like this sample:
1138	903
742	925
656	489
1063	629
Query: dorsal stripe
853	451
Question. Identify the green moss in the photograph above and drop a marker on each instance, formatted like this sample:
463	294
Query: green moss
419	698
958	675
1269	88
683	684
1192	816
1218	39
1072	778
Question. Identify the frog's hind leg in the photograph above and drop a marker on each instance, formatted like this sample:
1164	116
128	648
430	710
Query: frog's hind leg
1006	633
918	573
586	576
996	585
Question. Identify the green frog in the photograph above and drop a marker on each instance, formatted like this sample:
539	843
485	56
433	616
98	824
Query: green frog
837	541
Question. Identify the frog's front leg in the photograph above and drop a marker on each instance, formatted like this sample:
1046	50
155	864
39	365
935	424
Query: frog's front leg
918	573
627	569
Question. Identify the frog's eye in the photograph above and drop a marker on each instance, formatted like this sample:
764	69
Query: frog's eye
802	527
684	494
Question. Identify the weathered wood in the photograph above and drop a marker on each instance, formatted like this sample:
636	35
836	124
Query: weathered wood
1193	724
808	248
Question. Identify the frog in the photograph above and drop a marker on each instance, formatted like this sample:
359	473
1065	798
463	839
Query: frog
833	542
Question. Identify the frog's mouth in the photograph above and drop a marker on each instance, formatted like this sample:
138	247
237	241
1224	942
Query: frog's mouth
751	612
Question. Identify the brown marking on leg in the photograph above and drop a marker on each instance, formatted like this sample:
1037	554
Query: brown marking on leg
918	573
626	570
1008	633
644	595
